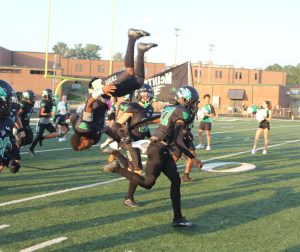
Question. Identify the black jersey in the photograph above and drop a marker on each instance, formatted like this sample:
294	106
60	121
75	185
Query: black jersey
47	105
27	109
96	126
60	119
100	108
139	113
13	111
169	116
6	137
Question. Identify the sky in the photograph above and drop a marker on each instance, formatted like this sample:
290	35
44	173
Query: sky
245	33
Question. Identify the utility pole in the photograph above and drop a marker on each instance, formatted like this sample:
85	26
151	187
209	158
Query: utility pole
211	49
176	45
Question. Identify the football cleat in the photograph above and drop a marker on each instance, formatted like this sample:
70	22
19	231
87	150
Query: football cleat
182	222
131	203
31	153
145	46
110	167
137	33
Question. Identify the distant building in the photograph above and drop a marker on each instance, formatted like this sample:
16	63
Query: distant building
25	70
229	87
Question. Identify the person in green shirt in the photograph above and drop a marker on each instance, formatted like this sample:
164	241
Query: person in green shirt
208	113
254	110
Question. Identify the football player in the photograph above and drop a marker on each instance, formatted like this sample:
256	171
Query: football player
44	123
9	152
173	120
24	113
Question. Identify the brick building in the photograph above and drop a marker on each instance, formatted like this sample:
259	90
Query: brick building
229	87
25	70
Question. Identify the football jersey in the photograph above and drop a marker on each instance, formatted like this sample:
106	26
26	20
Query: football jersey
6	136
13	111
169	116
47	105
139	113
27	112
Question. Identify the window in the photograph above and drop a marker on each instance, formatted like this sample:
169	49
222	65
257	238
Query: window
241	76
78	68
255	76
41	72
236	76
196	73
218	74
100	69
13	71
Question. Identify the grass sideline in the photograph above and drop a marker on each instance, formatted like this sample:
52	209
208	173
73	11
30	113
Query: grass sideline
248	211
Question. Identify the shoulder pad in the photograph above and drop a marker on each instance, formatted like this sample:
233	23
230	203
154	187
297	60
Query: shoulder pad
182	113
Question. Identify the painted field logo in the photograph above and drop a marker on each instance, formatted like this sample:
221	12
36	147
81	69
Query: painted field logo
234	167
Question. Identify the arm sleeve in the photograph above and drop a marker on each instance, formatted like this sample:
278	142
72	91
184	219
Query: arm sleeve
178	140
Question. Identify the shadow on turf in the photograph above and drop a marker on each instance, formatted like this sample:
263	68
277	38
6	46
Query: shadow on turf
210	221
65	166
292	249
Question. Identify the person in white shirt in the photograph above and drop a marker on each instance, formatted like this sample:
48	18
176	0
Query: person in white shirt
63	108
264	117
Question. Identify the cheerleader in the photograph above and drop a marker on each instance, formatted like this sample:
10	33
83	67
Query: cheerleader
263	116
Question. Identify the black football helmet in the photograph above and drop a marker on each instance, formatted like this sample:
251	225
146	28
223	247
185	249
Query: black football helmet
28	96
47	93
6	93
188	97
145	88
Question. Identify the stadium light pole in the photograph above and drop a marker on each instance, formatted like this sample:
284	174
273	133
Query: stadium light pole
176	45
211	49
112	36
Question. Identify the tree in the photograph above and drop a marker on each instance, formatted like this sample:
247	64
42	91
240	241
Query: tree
292	72
90	51
61	49
275	67
118	57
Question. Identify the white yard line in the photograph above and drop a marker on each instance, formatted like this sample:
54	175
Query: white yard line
44	244
4	226
119	179
220	132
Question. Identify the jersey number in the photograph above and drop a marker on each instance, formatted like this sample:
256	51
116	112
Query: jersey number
165	115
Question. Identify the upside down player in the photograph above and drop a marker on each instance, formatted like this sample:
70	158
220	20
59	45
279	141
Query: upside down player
9	152
172	122
133	113
116	85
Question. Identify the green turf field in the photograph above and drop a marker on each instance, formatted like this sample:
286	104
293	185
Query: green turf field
258	210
